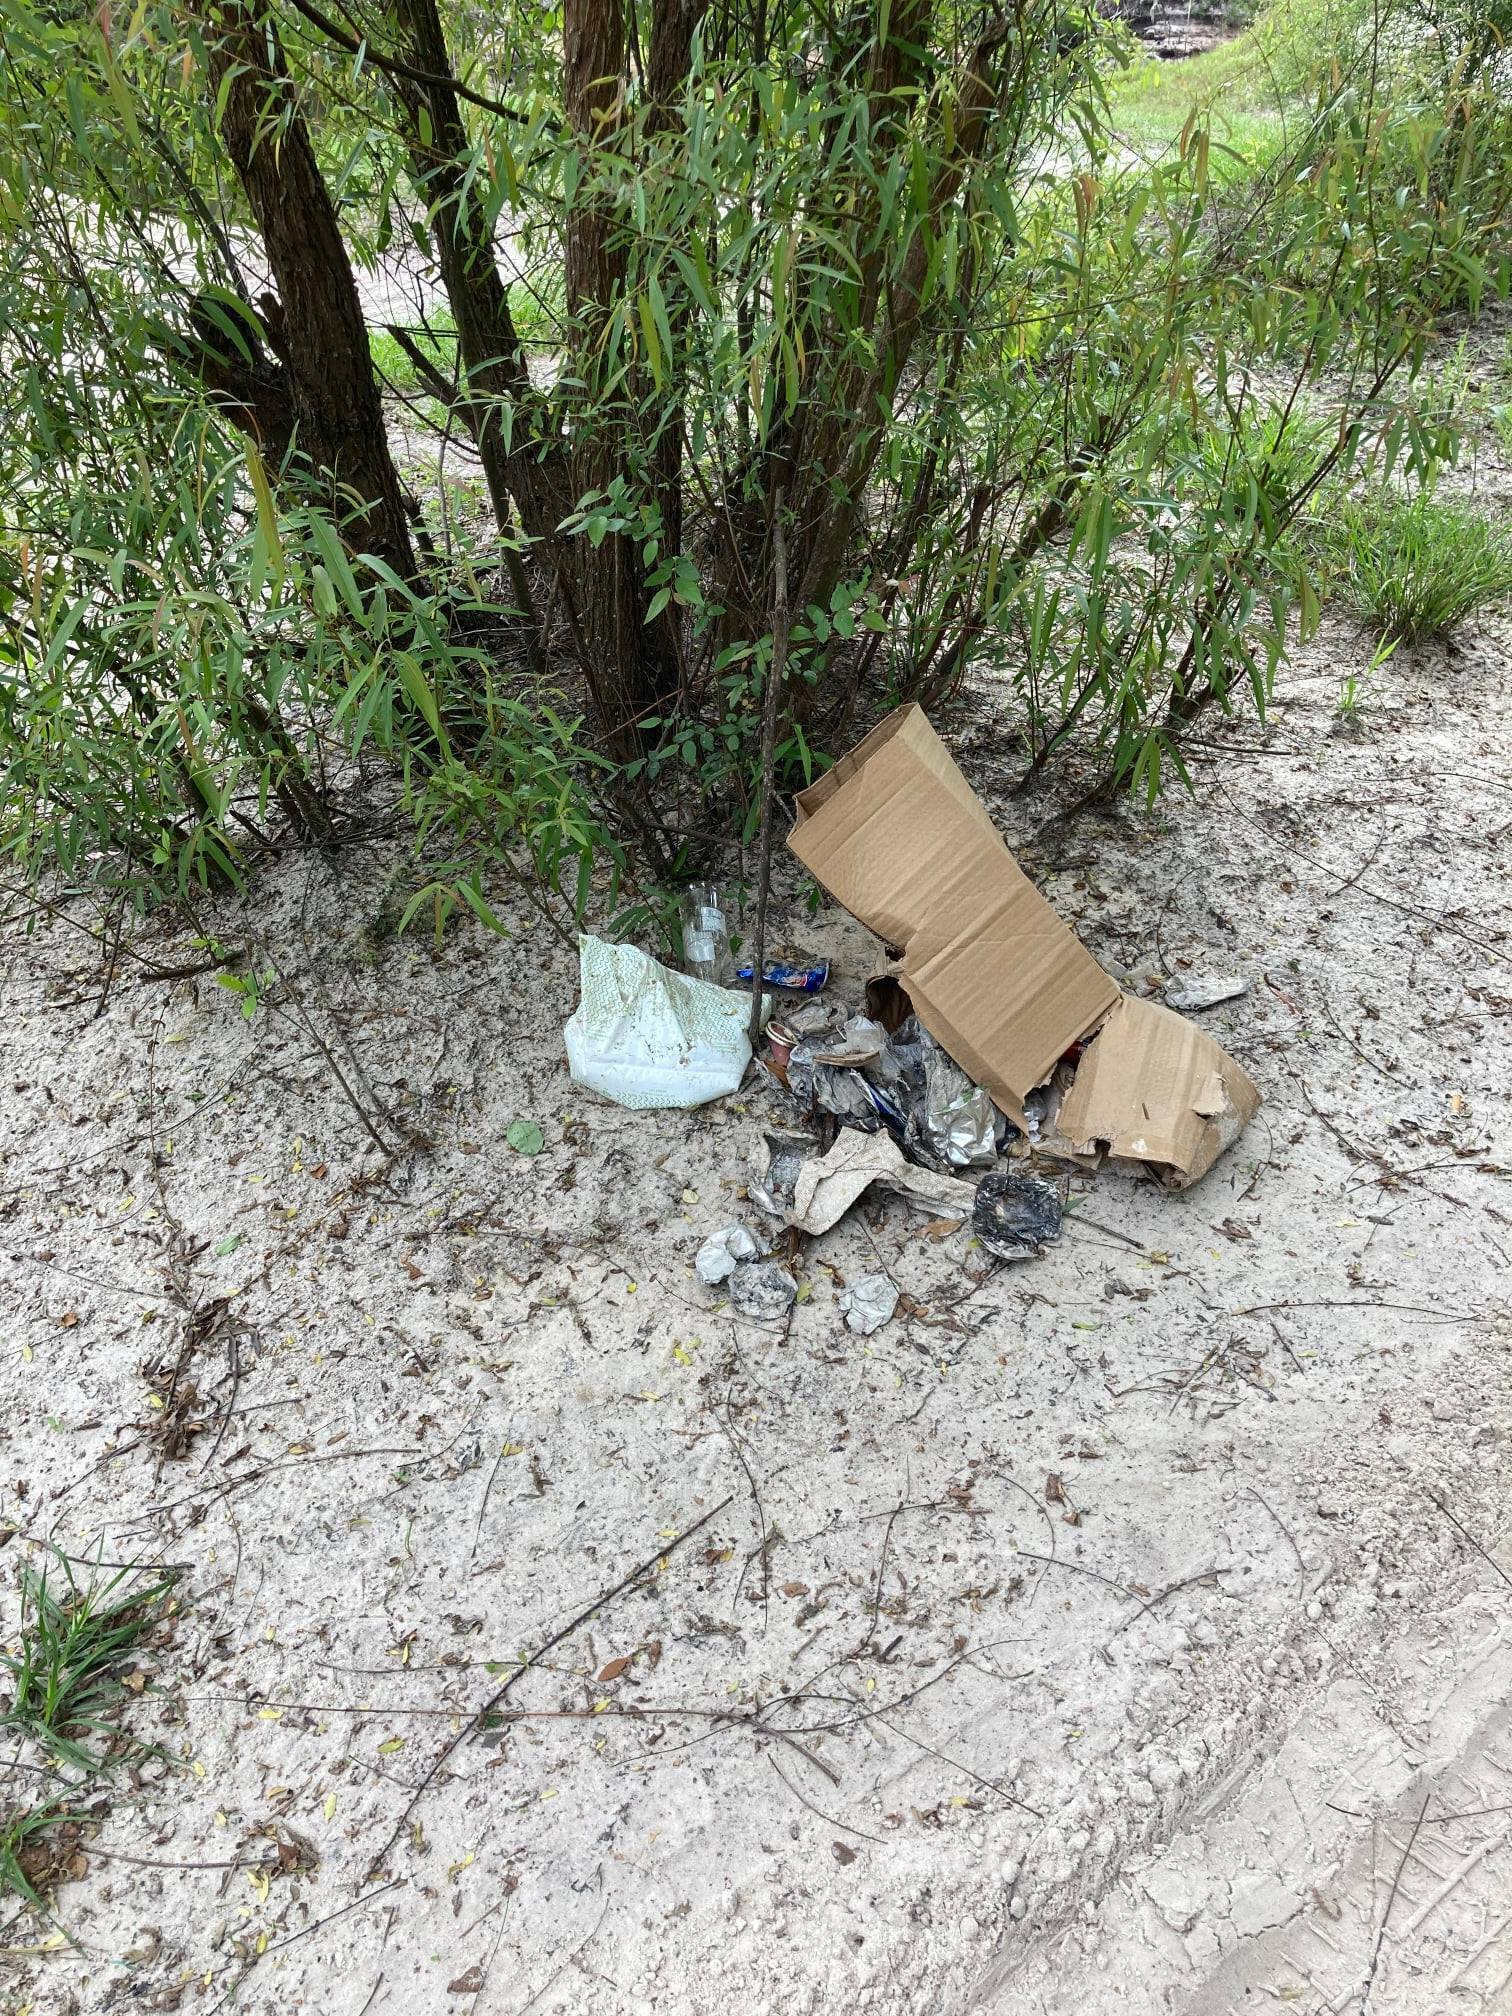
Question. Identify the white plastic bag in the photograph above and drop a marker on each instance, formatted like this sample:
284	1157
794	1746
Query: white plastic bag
645	1036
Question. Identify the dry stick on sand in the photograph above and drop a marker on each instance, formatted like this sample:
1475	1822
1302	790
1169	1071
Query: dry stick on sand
1396	1882
316	1925
476	1721
771	704
1466	1534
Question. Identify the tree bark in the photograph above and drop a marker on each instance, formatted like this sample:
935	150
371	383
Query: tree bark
526	464
673	26
838	464
318	329
253	388
629	669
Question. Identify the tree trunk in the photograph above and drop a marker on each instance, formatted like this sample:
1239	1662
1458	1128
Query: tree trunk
837	464
525	465
673	26
316	326
629	668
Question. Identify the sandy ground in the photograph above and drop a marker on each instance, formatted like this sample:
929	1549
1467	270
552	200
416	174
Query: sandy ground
862	1718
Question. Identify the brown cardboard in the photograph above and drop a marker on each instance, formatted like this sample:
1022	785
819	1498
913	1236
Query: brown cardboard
896	834
1153	1087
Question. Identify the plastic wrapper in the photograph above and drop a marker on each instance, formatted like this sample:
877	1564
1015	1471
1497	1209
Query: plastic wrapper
1193	992
773	1186
824	1072
829	1184
854	1045
948	1122
867	1303
793	971
762	1290
647	1037
1014	1216
719	1254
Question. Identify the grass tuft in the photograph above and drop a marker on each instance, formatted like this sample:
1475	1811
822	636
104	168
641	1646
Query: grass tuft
65	1667
1417	567
38	1848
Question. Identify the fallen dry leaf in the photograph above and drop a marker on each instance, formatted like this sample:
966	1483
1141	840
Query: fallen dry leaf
467	1984
941	1228
795	1588
617	1666
1232	1229
1055	1491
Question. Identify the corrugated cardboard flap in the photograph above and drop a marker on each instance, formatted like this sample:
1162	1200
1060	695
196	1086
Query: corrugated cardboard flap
1153	1087
896	834
910	726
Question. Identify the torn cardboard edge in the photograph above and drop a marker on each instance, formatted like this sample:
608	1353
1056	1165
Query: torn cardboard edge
898	837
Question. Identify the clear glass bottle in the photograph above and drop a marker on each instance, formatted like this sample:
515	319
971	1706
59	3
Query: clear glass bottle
706	935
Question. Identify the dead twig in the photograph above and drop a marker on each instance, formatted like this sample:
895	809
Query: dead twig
479	1719
828	1818
1077	1568
1301	1564
1396	1881
316	1925
955	1764
728	1424
1470	1539
1186	1582
871	1629
1360	1302
1075	1218
482	1509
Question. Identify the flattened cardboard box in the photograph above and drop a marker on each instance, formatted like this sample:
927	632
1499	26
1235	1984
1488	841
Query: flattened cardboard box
896	834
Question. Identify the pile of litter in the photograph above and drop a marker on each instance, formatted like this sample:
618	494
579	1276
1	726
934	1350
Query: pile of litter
895	834
991	1044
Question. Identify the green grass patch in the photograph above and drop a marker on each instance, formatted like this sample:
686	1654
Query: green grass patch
33	1855
1415	567
65	1668
1228	87
538	310
1501	401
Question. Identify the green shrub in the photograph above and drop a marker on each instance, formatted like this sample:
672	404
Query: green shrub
1417	566
1275	449
1501	400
